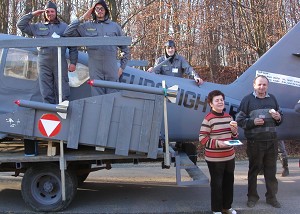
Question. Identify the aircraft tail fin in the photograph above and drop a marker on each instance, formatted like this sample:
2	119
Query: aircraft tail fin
281	65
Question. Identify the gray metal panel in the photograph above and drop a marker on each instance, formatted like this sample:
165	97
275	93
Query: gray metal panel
124	122
146	125
75	115
124	131
90	120
29	117
20	122
104	120
114	126
64	41
140	137
137	63
136	130
135	135
138	95
2	135
156	127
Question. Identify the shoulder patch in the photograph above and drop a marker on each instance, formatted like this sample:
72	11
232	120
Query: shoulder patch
43	28
91	29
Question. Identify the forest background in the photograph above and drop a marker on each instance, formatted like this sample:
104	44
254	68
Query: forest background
220	39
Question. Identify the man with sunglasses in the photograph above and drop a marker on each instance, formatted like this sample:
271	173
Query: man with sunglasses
103	64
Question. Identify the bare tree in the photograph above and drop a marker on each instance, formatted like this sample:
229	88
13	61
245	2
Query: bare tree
215	36
4	8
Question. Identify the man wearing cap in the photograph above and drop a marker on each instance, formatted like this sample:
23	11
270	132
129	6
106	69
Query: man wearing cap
173	64
103	64
47	56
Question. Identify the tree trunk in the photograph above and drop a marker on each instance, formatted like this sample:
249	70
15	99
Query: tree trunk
4	8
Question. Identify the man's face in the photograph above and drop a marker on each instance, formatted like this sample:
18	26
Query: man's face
100	12
50	14
170	50
261	86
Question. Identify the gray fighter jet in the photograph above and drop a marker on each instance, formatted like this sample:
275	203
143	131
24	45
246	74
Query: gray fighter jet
127	125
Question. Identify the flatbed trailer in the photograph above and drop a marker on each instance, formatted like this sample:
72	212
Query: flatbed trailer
59	145
42	185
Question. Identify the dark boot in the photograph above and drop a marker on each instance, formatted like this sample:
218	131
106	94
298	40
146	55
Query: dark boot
285	167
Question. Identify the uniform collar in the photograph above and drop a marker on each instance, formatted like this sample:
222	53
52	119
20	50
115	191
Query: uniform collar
56	21
175	57
106	21
255	95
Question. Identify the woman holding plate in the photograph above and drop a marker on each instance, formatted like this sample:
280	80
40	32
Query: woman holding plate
216	130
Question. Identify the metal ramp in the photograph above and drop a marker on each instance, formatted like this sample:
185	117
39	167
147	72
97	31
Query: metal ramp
183	162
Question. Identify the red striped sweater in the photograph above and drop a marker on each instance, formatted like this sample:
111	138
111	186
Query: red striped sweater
215	127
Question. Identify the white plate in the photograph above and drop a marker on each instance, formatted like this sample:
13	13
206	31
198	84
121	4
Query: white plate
233	142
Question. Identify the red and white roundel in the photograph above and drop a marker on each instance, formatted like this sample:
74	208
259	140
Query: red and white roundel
49	125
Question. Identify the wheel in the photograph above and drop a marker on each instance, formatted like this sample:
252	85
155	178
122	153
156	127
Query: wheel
41	188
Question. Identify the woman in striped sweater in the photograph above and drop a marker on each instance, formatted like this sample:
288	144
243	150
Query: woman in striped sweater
216	129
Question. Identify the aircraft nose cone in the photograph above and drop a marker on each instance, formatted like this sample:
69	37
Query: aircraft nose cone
17	102
90	82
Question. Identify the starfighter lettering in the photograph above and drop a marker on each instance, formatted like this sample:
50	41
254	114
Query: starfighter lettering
188	99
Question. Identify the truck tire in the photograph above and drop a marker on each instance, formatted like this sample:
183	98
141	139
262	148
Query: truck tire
41	188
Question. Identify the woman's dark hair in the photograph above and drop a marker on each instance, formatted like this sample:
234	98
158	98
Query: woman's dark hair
213	94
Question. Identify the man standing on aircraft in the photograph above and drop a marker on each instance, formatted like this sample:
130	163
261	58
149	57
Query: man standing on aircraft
47	56
173	64
259	114
102	59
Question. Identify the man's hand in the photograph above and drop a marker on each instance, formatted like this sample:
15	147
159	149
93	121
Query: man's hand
259	121
276	115
37	12
150	69
198	80
234	130
87	15
72	67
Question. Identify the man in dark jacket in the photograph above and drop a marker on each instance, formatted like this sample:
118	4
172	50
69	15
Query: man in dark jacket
258	115
102	59
47	56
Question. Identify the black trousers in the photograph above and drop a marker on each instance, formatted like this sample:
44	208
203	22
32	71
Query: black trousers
221	184
262	154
